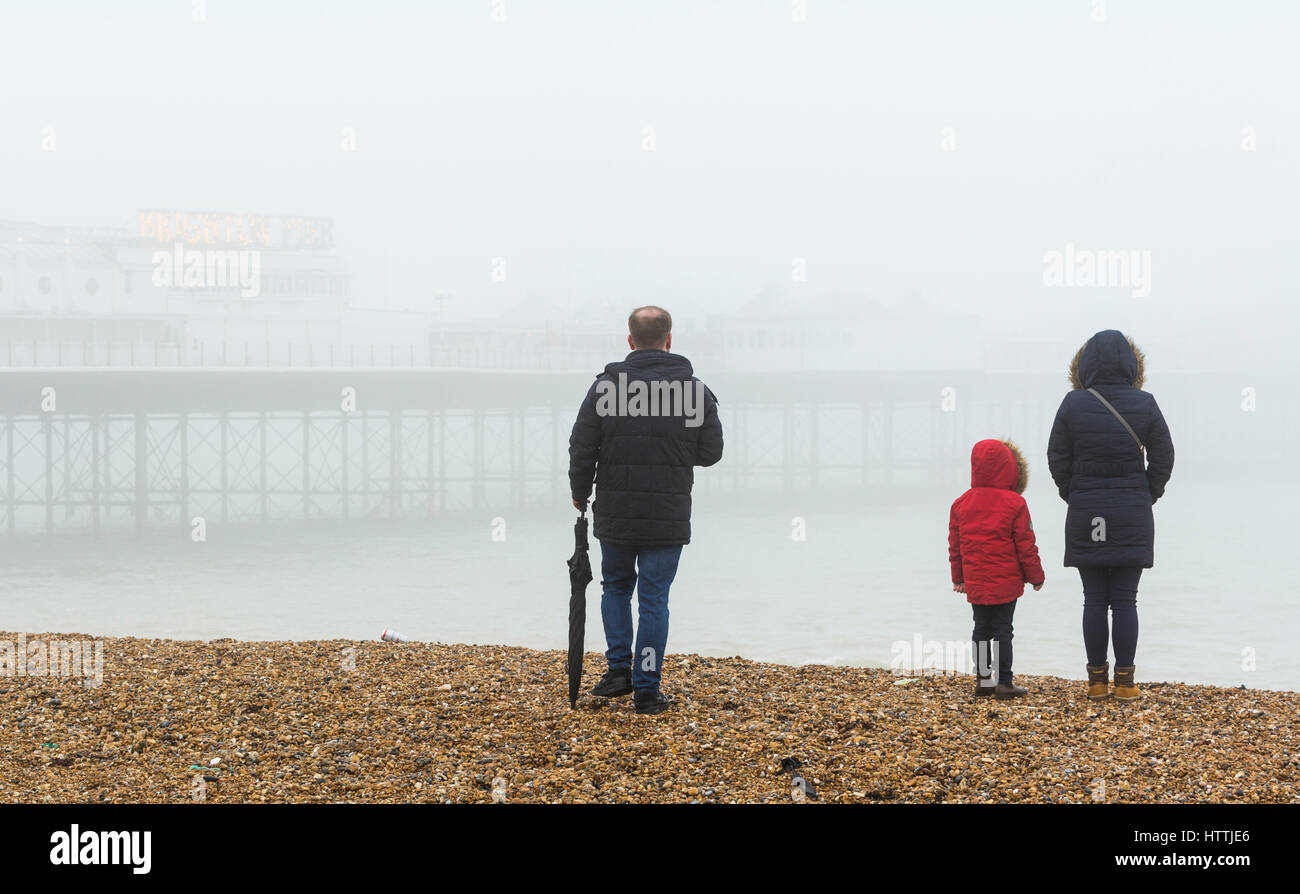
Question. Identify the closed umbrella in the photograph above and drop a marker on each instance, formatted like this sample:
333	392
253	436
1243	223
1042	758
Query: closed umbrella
579	577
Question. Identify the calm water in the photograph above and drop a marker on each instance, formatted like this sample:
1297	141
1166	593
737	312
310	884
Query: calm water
861	582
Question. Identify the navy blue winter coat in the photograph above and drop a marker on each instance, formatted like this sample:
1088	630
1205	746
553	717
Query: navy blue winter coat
1098	467
643	464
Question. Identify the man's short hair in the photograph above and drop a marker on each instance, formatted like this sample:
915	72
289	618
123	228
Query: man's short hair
649	326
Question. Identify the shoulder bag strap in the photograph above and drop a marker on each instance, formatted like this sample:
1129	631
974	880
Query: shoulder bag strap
1122	421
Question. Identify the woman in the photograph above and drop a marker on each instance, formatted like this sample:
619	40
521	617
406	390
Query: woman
1095	455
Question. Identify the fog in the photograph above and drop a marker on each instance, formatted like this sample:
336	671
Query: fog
773	139
914	213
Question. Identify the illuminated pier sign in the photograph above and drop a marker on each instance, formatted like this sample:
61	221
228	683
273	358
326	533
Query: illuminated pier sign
277	232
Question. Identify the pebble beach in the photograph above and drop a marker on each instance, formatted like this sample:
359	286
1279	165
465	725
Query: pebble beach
371	722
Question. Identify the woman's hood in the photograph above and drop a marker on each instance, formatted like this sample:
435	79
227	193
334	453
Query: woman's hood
998	463
1108	358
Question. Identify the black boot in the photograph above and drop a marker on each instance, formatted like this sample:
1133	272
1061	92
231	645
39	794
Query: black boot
983	681
617	681
651	702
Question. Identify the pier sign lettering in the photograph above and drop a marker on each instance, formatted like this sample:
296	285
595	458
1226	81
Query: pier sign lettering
283	232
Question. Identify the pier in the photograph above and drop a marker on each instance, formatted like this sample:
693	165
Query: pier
88	449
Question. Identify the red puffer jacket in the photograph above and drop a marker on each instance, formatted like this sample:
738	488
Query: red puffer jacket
991	544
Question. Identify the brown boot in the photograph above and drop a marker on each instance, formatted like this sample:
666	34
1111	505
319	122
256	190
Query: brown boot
1005	691
983	686
1099	681
1125	689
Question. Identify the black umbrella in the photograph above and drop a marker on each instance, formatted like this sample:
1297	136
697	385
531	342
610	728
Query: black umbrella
579	577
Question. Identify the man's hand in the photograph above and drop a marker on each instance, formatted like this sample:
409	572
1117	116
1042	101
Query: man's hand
581	507
959	588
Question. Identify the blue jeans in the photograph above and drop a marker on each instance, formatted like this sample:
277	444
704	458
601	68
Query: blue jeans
650	570
1114	589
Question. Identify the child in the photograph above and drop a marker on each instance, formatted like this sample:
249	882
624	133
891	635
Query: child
993	554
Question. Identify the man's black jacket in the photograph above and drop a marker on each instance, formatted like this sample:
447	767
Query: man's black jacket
642	464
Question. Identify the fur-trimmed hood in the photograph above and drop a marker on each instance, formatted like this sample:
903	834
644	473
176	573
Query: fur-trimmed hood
1109	357
998	462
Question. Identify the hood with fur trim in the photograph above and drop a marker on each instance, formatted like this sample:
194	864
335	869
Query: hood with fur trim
998	463
1109	357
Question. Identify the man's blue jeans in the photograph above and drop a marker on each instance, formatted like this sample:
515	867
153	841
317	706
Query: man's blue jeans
650	570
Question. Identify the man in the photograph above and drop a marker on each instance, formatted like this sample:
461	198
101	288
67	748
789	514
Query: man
645	423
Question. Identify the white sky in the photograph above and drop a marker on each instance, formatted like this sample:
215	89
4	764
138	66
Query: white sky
774	139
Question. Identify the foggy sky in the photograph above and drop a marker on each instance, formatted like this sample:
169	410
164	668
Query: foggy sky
774	139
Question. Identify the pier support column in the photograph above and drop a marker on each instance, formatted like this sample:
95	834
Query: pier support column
865	409
787	451
476	482
9	474
184	495
94	473
887	424
556	469
365	461
394	462
48	425
67	468
141	472
225	484
522	452
343	468
429	464
442	460
814	463
261	462
306	465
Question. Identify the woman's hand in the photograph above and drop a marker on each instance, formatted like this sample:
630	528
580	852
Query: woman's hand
959	588
1038	586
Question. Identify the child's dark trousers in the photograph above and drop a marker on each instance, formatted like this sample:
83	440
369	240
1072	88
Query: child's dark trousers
993	624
